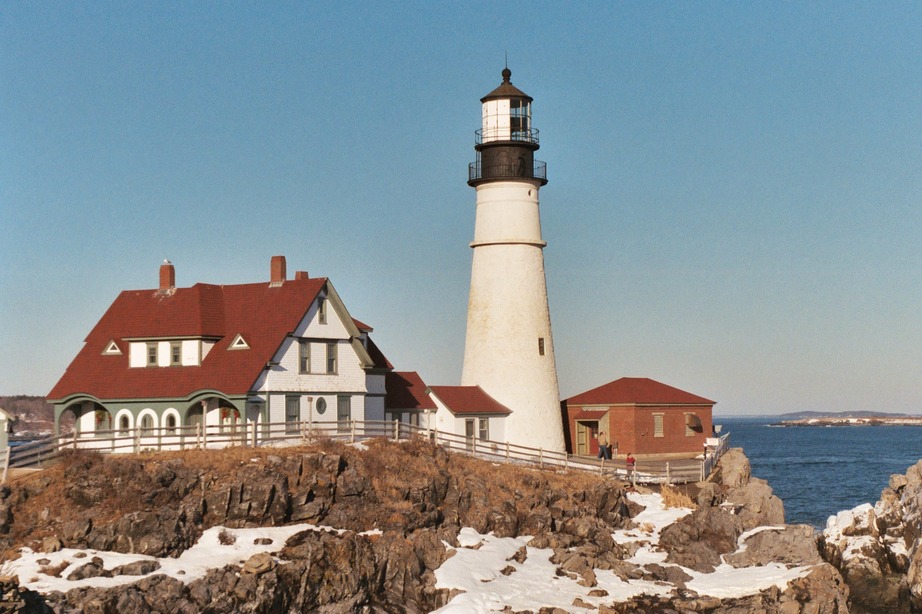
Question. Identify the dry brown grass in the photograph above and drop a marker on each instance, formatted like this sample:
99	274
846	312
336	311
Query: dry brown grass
673	497
54	570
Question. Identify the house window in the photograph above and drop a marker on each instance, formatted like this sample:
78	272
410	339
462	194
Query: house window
304	357
151	354
321	405
292	413
658	425
175	353
331	357
321	310
171	424
484	431
469	433
540	346
147	424
123	425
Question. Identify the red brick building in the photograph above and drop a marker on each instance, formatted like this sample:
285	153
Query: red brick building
639	415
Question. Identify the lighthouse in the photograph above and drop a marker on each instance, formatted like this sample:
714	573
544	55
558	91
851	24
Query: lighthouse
509	349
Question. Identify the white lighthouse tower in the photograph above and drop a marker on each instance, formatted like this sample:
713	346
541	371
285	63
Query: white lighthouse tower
509	350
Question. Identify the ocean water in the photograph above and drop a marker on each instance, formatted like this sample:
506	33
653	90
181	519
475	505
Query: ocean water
819	471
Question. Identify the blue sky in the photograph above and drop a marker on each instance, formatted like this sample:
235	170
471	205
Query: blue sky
733	205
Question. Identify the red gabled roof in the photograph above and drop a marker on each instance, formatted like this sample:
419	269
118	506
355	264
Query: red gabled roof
263	315
637	390
377	356
468	400
406	390
365	328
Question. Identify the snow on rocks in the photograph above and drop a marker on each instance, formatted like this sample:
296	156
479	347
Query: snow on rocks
491	574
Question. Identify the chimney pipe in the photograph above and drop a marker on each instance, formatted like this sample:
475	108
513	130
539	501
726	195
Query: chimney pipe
167	276
277	271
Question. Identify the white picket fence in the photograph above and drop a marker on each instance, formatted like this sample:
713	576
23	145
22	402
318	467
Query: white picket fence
259	434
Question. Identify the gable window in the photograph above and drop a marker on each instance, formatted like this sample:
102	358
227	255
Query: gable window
321	310
658	425
112	348
238	343
304	357
292	413
484	430
151	354
331	357
175	353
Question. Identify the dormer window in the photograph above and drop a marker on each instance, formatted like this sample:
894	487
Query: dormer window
176	354
151	354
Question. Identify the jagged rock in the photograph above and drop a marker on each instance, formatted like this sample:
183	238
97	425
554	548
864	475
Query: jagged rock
93	569
790	545
259	563
51	544
697	540
756	505
137	568
733	469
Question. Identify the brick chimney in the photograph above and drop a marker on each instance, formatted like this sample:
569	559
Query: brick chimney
277	271
167	276
301	275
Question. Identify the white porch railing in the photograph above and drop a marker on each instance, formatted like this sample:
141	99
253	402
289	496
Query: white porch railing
261	434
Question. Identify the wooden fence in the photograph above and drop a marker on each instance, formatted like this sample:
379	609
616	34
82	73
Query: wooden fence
259	434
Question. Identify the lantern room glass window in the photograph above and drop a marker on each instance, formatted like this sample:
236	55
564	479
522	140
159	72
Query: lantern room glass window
520	119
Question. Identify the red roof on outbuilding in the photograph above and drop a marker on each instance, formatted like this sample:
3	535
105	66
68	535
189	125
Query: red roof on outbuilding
468	400
262	314
406	390
639	391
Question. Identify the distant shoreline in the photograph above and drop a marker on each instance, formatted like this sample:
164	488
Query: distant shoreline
846	421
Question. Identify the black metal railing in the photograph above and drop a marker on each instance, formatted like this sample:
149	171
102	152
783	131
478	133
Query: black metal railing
477	172
529	135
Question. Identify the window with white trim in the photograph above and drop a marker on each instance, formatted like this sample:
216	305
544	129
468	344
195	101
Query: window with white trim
304	356
321	310
331	357
175	353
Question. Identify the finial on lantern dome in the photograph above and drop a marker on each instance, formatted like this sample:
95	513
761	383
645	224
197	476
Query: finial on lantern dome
506	75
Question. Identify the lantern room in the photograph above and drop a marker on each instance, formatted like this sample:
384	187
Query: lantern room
506	141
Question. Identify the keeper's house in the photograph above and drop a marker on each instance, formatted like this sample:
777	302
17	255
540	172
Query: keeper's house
641	416
285	350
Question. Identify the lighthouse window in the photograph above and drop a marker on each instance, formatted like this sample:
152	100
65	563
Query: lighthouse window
518	119
540	346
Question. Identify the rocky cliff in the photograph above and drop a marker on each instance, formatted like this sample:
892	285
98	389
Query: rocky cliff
877	548
392	515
